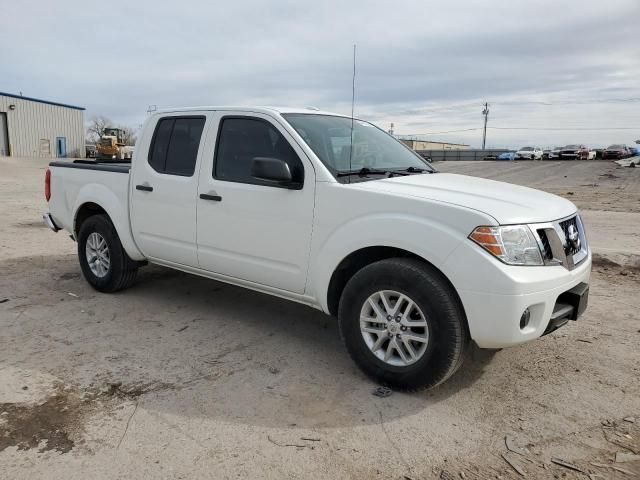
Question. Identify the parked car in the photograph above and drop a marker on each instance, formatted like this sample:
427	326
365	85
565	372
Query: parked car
577	152
336	214
616	152
554	153
529	153
635	151
507	156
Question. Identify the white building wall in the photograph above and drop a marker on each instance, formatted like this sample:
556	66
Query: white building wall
32	121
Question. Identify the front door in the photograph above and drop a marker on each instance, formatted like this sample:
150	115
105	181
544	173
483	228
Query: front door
61	147
164	188
247	228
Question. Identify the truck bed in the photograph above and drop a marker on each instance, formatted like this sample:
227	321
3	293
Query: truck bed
96	183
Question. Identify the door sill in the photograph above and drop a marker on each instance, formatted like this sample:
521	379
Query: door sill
258	287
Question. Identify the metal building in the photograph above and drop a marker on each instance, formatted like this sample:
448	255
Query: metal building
30	127
415	144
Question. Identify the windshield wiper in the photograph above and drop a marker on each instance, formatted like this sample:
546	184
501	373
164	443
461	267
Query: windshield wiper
364	171
415	170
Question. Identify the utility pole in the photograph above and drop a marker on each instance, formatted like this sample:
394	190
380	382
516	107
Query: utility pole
485	112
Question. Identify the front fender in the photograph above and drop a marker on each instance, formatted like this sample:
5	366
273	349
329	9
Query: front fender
116	207
429	239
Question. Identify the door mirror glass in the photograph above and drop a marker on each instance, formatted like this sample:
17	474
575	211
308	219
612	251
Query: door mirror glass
271	170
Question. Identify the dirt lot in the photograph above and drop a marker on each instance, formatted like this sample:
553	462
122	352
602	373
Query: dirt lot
183	377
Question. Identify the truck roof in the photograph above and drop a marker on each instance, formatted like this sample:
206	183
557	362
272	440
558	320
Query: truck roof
256	109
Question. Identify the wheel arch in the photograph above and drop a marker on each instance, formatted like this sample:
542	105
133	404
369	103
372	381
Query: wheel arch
362	257
96	199
86	210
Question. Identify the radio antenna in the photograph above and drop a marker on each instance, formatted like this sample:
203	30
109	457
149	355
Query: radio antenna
353	101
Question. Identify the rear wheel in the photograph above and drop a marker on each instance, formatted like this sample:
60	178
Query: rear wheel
104	263
403	324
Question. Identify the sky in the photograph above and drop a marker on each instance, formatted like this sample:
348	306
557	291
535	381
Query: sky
553	72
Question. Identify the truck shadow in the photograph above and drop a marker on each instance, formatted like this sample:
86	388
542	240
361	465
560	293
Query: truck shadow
199	348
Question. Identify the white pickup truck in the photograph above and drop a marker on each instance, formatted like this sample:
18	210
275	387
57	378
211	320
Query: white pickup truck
336	214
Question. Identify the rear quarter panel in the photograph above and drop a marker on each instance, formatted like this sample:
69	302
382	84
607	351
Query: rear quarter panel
73	187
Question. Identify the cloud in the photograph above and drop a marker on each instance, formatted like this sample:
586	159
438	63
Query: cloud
425	66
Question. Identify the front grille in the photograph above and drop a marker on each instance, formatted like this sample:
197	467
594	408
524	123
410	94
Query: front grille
556	246
569	248
546	248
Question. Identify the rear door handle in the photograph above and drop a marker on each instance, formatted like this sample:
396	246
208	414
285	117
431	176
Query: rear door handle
213	197
144	188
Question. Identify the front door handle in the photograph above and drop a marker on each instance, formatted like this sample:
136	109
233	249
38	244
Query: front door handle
144	188
209	196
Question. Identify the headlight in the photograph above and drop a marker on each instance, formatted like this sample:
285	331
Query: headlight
512	244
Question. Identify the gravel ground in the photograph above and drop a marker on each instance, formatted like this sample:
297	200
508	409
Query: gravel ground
183	377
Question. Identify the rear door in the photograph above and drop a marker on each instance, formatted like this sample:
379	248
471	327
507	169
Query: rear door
249	229
164	189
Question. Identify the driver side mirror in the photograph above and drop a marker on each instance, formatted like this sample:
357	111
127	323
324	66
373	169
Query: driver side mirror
274	171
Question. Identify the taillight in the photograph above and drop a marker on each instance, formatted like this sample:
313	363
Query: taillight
47	184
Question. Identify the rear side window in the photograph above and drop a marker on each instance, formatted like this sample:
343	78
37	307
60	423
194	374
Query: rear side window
241	140
174	148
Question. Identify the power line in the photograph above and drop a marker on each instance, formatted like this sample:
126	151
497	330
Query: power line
550	103
440	133
522	128
570	102
566	128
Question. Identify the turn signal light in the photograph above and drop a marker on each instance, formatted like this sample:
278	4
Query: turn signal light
489	239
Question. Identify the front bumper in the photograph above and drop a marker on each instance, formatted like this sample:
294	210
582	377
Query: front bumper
495	296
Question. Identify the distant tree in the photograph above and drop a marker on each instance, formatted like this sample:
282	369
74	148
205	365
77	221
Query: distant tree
129	135
96	126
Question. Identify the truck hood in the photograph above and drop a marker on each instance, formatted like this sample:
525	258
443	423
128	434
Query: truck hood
505	202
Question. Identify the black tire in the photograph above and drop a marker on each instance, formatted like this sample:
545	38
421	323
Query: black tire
448	334
122	270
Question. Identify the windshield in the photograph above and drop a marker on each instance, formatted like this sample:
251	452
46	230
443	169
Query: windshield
526	149
615	147
330	139
572	146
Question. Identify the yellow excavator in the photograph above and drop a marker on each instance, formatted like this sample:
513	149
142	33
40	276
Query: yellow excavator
111	146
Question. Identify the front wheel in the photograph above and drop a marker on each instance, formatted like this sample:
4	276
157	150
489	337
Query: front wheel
403	324
104	263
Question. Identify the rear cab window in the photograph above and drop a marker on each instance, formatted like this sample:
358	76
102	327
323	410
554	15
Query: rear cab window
175	143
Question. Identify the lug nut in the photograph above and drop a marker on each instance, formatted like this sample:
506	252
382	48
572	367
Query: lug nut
389	317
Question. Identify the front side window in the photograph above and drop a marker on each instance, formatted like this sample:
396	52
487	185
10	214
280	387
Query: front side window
330	139
174	149
241	139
